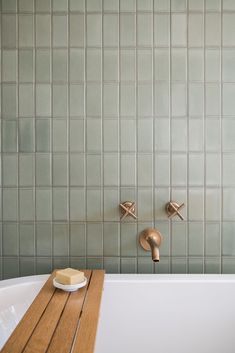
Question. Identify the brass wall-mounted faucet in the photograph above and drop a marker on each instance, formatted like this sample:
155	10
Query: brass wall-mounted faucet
150	239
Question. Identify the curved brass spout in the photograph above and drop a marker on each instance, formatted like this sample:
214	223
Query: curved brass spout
150	239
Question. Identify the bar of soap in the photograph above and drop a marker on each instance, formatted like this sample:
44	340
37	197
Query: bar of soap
69	276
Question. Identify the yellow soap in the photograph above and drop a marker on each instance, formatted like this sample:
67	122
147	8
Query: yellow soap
69	276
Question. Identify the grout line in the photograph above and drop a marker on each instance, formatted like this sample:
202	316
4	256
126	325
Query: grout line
51	137
18	139
170	132
153	128
187	151
1	172
221	140
204	136
119	129
67	135
34	153
85	128
102	131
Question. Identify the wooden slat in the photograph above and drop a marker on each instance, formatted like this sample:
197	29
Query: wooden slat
26	326
85	338
42	335
62	340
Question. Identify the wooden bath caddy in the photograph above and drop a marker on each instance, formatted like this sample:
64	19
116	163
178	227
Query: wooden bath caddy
58	321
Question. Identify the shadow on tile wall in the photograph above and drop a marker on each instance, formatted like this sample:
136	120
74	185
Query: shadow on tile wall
107	101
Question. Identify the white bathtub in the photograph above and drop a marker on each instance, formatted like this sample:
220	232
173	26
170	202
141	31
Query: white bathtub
146	313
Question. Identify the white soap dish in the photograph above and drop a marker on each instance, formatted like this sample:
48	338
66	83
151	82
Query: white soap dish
69	287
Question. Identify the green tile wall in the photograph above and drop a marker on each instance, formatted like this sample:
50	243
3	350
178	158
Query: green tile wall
104	101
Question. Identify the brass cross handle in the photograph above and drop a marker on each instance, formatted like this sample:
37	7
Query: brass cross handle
127	209
172	209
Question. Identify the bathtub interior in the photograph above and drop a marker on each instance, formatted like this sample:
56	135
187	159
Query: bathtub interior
165	316
146	313
15	298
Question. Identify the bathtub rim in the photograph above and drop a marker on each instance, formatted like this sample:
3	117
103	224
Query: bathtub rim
133	278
